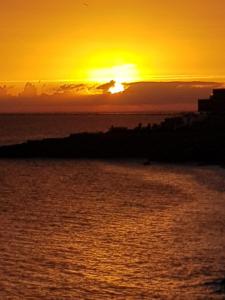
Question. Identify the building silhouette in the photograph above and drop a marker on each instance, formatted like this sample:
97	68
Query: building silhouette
215	103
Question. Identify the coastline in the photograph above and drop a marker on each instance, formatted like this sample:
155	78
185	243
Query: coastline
190	138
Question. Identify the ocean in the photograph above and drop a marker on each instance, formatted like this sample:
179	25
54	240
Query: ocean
17	128
101	229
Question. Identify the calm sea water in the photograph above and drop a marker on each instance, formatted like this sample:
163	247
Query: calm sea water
107	229
110	230
19	128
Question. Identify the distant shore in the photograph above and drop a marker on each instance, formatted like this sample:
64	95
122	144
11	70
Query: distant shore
188	138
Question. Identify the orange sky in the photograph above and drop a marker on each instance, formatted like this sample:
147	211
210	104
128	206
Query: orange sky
92	40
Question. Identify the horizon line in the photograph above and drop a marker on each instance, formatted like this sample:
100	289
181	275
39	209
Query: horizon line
167	78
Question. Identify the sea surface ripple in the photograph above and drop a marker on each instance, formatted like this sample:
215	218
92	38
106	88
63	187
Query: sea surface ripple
110	230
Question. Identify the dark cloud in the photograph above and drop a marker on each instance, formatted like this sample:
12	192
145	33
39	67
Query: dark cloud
106	86
29	90
65	88
3	91
168	93
141	96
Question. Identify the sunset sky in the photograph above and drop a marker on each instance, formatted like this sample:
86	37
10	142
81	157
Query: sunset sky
99	40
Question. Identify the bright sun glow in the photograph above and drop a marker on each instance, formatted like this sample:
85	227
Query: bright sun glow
120	73
117	88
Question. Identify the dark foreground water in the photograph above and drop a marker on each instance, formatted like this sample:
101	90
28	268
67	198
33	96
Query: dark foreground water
110	230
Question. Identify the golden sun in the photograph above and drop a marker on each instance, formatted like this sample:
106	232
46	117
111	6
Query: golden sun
118	87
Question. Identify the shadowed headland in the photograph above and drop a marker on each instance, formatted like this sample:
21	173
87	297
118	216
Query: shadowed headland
194	137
